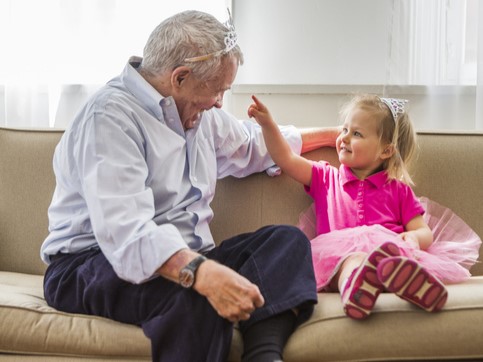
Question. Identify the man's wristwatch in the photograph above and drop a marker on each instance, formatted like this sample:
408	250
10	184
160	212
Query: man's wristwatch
187	275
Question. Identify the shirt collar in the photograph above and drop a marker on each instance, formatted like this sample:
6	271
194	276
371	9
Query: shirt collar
161	107
378	179
140	88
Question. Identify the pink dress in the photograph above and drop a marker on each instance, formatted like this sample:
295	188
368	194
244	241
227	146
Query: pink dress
452	253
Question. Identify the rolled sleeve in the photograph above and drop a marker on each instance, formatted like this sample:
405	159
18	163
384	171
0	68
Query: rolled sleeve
241	148
293	137
138	260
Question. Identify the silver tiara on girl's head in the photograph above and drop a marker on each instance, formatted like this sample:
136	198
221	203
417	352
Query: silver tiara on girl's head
395	105
230	42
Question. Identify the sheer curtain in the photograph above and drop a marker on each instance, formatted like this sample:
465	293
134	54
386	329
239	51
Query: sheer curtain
436	51
55	53
479	79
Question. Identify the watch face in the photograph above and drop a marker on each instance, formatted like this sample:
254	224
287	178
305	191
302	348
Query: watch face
187	275
186	278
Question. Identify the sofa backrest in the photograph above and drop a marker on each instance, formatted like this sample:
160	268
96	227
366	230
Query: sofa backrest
26	187
446	171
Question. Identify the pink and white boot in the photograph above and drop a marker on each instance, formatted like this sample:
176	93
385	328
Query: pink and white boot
360	291
410	281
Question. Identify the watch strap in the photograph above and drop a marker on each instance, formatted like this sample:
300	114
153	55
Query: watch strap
196	262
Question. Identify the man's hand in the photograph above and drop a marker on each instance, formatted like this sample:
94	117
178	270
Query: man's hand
233	296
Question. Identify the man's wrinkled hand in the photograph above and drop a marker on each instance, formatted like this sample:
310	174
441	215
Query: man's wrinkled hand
233	296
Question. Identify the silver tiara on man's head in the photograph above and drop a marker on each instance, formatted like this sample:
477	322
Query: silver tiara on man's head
231	39
395	105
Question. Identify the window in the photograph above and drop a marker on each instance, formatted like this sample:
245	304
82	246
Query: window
55	53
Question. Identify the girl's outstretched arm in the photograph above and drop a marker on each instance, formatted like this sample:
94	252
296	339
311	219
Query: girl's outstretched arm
292	164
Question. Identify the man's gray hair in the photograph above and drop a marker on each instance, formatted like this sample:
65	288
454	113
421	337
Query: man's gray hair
186	35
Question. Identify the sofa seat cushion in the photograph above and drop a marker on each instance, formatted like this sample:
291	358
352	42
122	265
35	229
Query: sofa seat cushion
30	326
396	330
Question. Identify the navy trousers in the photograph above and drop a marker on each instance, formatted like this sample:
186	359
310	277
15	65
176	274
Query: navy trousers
180	323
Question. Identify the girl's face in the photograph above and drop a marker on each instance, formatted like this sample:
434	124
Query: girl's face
358	145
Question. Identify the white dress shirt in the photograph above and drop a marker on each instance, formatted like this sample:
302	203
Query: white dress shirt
131	181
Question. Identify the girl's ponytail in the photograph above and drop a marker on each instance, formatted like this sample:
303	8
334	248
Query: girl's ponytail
404	141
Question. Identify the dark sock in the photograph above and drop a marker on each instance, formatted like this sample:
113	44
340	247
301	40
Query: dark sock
264	341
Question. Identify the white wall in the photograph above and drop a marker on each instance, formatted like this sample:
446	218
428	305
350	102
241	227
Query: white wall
292	42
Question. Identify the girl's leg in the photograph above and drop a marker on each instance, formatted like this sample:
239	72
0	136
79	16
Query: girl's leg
349	265
410	281
358	282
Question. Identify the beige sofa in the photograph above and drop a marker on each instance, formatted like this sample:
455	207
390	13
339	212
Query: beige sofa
448	170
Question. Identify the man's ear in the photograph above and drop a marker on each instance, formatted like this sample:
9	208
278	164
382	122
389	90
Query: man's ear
388	151
179	75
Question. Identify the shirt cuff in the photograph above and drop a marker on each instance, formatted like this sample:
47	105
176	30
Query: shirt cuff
138	261
294	139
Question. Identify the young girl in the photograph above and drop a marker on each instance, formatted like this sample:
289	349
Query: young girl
371	233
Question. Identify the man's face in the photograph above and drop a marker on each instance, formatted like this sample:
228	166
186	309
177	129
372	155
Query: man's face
196	96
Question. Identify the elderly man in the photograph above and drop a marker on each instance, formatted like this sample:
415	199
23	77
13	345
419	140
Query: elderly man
129	221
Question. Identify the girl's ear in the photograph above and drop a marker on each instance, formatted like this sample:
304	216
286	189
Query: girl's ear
388	151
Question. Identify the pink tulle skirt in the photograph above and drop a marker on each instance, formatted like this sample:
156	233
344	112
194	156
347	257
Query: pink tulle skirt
454	250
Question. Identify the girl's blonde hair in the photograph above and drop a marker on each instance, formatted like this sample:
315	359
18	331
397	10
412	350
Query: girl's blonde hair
397	132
